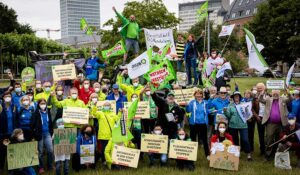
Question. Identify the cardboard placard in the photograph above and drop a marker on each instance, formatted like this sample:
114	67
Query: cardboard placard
143	109
154	143
224	160
64	72
182	78
275	84
112	102
76	115
184	150
22	155
125	156
183	96
87	154
64	141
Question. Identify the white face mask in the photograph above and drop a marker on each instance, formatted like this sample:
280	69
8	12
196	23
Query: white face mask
157	132
222	130
47	89
148	93
135	84
26	102
292	122
7	99
97	90
20	137
181	137
38	86
43	107
60	126
94	100
86	86
59	92
74	96
133	99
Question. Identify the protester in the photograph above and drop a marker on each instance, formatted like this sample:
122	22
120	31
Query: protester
200	62
136	127
199	119
85	91
237	126
275	117
180	51
43	130
190	55
296	105
57	113
169	114
221	134
38	87
184	164
24	117
154	156
117	96
130	33
47	88
212	62
222	80
210	96
93	64
135	88
248	97
17	95
97	89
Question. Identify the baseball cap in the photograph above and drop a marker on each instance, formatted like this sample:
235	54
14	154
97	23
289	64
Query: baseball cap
115	86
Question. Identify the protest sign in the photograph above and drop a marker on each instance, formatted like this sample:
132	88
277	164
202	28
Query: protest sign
143	109
181	78
76	115
183	96
28	75
125	156
227	159
275	84
64	72
87	153
154	143
184	150
118	49
113	104
22	155
282	160
159	75
244	110
139	66
64	141
160	38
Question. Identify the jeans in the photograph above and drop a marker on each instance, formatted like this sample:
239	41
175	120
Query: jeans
243	138
179	65
190	63
163	158
132	43
47	142
200	130
261	135
58	164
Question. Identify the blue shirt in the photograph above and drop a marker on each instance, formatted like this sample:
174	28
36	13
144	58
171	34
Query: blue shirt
296	109
45	122
25	117
122	98
92	67
219	104
16	99
9	114
199	112
82	141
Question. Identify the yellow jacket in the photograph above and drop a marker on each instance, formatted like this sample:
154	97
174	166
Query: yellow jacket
129	89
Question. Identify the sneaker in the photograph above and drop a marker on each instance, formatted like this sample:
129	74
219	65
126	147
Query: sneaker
41	171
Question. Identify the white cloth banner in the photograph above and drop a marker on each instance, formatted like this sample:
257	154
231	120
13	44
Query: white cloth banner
139	66
289	75
224	67
226	30
160	38
244	110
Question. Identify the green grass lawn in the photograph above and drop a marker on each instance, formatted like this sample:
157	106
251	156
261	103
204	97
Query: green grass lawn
257	166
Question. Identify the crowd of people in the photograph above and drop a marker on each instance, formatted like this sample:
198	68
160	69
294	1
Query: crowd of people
32	113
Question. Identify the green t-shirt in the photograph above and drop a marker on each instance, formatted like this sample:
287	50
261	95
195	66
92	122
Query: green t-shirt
132	30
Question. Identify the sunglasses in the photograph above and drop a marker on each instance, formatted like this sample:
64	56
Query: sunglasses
223	92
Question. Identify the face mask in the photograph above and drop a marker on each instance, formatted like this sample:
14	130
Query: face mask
7	99
18	90
292	122
157	132
20	137
135	84
43	107
133	99
148	93
38	86
106	108
97	90
26	102
213	55
222	130
74	96
86	86
88	133
60	126
254	92
181	137
94	100
47	89
59	92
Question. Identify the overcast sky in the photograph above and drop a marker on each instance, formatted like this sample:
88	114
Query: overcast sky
44	14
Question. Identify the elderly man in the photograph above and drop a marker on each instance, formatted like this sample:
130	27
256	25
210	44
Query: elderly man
274	118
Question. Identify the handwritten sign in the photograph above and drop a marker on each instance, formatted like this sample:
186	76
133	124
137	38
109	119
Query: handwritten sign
226	159
87	154
184	150
275	84
65	141
63	72
183	96
125	156
113	104
22	155
159	75
154	143
143	109
76	115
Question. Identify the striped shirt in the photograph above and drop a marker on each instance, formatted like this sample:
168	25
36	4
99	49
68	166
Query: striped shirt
180	49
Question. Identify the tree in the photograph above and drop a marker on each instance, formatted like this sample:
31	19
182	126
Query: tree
276	26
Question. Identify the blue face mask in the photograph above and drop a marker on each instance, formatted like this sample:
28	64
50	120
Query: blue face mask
18	90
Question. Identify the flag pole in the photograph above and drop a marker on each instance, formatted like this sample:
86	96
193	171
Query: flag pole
204	34
282	139
225	44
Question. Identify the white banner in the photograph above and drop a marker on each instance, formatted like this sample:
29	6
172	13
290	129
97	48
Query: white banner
139	66
226	30
289	75
275	84
160	38
224	67
244	110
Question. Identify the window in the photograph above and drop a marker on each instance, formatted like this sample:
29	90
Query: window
241	13
233	15
247	12
255	10
241	2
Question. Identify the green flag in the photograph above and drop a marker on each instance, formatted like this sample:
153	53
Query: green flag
202	12
85	27
118	49
158	57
